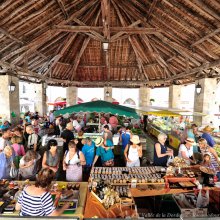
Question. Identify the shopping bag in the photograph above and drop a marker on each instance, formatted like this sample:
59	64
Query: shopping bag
13	172
170	160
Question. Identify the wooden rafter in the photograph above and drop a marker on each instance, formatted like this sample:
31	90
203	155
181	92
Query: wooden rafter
105	8
37	42
132	30
62	7
206	37
77	59
151	9
66	44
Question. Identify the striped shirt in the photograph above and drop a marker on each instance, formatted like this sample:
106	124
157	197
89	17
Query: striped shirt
214	161
35	205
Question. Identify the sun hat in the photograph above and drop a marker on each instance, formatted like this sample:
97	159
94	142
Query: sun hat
99	141
190	141
208	129
135	139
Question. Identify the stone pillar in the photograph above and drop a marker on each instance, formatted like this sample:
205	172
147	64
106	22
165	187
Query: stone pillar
108	98
175	96
71	95
205	102
40	99
144	96
9	101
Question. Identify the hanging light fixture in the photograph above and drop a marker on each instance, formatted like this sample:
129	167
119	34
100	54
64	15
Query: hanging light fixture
105	45
198	89
11	86
107	94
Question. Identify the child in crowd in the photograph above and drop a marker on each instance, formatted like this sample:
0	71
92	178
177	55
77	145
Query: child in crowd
207	161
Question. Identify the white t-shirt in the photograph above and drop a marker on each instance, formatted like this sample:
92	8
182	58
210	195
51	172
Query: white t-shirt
76	125
75	159
3	143
133	154
188	152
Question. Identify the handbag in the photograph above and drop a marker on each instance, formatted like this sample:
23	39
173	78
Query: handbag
13	172
170	160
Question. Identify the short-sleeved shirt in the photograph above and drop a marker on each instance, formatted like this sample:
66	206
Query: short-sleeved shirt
35	205
89	153
3	143
209	139
125	139
188	152
5	165
104	154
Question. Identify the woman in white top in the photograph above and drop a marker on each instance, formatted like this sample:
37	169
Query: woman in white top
133	152
186	151
72	163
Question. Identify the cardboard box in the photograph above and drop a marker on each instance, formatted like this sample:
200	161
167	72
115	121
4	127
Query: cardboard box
187	212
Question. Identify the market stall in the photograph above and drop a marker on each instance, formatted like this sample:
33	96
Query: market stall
61	192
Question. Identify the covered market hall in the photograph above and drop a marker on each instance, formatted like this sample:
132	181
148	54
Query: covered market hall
110	109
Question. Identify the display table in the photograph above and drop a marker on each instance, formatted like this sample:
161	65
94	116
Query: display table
95	208
81	205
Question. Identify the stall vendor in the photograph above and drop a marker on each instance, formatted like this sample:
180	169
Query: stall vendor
207	135
104	152
161	152
186	151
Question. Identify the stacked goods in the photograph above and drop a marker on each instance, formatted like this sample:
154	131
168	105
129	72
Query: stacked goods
179	162
125	175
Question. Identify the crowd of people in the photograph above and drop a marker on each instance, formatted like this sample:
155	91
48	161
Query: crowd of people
20	150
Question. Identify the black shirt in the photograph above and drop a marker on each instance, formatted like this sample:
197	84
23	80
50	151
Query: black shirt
68	136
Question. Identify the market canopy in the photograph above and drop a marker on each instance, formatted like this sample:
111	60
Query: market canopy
99	107
162	113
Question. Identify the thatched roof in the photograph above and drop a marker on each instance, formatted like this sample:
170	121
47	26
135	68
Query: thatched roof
152	42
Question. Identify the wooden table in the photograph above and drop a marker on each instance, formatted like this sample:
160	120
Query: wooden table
81	205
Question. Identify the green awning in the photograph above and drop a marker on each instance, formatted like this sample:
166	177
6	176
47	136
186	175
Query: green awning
99	107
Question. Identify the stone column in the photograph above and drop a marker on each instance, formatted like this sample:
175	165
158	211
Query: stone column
71	95
40	99
108	98
175	96
144	96
205	102
9	101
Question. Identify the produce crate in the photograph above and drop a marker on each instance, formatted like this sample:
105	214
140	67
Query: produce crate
189	210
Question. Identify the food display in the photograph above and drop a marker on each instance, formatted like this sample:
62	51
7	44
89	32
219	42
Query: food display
61	194
207	170
217	149
125	175
179	162
162	124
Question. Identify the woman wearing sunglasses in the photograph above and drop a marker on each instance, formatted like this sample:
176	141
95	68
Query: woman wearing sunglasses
51	158
72	163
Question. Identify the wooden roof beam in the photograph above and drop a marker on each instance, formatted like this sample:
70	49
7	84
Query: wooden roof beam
77	59
62	7
206	37
151	9
95	35
116	36
132	30
65	45
105	8
37	42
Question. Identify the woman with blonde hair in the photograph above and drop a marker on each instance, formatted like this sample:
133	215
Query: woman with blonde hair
36	200
29	165
161	152
6	161
72	163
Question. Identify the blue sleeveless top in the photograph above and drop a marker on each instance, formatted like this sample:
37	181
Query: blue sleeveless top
160	161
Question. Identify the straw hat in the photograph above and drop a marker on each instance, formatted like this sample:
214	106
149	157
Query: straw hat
99	141
190	141
135	139
207	129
